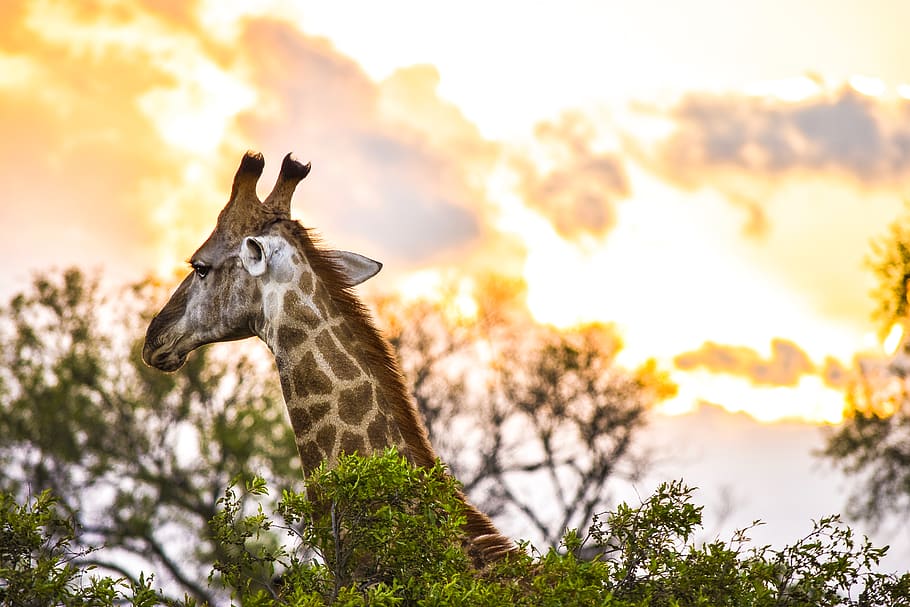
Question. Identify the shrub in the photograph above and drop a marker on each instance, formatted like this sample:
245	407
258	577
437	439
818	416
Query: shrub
35	568
377	531
382	532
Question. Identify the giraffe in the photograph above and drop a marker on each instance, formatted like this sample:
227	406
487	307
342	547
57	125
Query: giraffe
262	274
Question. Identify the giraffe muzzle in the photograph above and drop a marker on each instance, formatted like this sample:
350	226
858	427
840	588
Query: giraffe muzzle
163	358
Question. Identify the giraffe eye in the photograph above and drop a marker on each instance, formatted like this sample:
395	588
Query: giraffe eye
200	268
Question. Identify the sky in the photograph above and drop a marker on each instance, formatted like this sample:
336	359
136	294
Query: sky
707	175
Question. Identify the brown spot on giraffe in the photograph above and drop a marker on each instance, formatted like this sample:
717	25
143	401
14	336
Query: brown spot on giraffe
355	403
310	453
351	442
306	278
342	365
320	409
326	438
309	379
295	308
378	432
301	420
290	337
285	382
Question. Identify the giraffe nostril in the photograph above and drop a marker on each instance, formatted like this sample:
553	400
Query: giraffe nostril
165	359
156	352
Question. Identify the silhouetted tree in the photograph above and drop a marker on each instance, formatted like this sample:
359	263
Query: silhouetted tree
378	549
534	421
873	443
137	458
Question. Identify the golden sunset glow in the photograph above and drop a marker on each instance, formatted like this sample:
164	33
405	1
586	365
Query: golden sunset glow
455	294
893	340
710	194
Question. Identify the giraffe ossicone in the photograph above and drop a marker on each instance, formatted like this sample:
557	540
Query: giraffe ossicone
262	274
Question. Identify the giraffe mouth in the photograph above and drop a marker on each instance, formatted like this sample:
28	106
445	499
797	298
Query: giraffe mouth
163	358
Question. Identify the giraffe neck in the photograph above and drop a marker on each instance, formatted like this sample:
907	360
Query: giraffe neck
333	378
340	378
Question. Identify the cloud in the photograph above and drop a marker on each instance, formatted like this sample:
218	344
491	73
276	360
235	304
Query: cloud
844	132
835	374
579	191
78	152
392	184
787	364
123	125
784	368
756	224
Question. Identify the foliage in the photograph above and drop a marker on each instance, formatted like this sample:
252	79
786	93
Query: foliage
873	443
386	533
37	562
530	405
396	541
361	520
890	262
137	458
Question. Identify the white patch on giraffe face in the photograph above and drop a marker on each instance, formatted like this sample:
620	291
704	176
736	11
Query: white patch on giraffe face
279	275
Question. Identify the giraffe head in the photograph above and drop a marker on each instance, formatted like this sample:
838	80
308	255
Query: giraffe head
221	299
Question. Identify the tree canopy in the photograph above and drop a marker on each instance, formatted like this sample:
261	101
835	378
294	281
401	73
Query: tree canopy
532	406
113	475
138	459
873	443
386	533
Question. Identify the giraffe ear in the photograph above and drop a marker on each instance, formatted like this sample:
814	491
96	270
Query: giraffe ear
356	267
254	255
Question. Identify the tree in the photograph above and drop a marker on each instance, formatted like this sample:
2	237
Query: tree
137	459
890	262
873	443
511	404
37	562
390	535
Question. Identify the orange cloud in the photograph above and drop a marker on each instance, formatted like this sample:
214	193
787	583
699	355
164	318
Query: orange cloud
784	368
387	182
787	364
77	150
124	123
578	193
